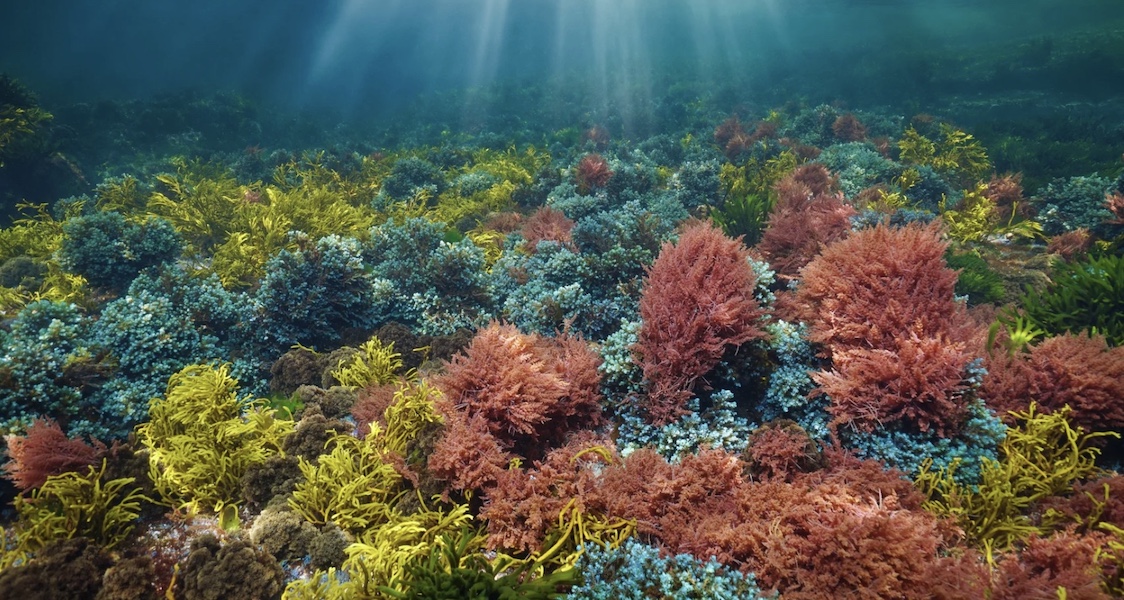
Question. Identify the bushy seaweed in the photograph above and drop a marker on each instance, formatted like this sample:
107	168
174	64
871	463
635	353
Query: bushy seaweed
978	441
1043	456
410	174
1082	296
637	571
957	154
149	336
311	296
429	282
593	284
23	122
48	342
719	426
201	438
1072	203
109	251
788	394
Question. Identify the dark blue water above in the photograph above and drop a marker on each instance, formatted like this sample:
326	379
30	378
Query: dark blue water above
369	57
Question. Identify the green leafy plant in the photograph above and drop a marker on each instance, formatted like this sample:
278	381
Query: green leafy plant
1021	332
975	278
380	555
37	234
1082	296
744	216
749	196
287	405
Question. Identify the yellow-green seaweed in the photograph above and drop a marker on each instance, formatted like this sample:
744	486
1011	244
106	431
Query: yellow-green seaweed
352	486
73	505
1043	456
375	363
202	438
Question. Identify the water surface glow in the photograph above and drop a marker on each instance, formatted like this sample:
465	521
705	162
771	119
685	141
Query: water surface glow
362	57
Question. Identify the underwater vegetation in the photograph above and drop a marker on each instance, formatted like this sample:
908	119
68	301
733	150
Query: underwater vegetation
798	351
1083	296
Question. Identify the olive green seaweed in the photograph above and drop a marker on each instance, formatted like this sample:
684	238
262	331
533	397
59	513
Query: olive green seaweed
409	414
382	556
957	154
38	234
456	569
379	559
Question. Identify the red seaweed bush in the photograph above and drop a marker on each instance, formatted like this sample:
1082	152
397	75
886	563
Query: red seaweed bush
912	379
881	302
46	451
467	457
1037	572
1071	245
547	223
598	135
592	172
1114	202
781	450
1091	503
1006	191
525	502
696	303
512	394
524	385
1075	369
731	137
877	284
850	530
816	537
809	215
848	128
826	542
1060	561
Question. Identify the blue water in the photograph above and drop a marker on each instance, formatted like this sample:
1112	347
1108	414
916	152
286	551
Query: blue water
364	58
